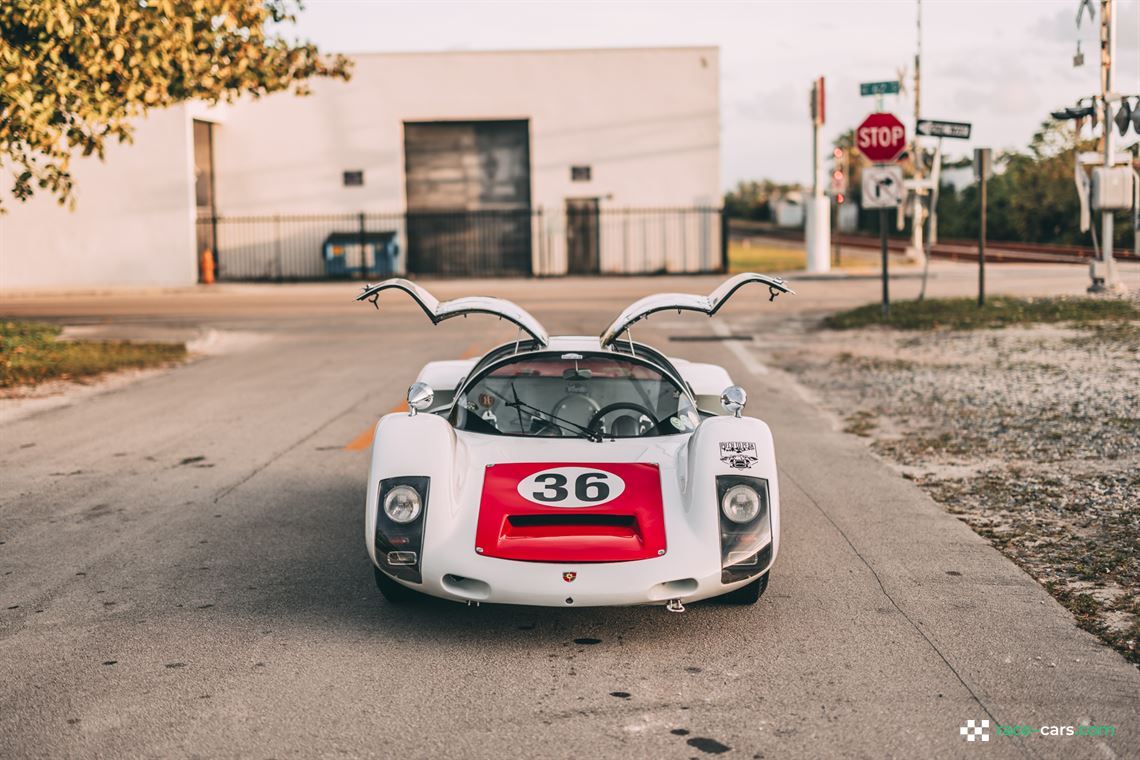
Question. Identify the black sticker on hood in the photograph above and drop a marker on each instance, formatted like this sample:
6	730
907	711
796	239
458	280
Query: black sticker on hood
739	455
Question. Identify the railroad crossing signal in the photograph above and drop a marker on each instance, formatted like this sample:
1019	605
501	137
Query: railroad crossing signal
839	175
883	187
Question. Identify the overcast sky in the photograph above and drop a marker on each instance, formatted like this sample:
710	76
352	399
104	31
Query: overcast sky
1000	64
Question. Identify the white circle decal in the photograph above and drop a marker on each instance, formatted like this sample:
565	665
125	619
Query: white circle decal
571	487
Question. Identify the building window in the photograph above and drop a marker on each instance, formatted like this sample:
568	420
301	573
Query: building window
579	173
354	178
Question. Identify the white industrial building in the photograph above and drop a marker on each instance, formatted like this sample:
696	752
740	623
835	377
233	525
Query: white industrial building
536	162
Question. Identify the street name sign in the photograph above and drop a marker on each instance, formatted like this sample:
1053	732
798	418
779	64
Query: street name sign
883	187
959	130
881	137
879	88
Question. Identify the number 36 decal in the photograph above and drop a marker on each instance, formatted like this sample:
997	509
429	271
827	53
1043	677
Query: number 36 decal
572	487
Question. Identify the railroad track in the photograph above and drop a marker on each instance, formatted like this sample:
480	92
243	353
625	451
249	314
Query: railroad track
997	251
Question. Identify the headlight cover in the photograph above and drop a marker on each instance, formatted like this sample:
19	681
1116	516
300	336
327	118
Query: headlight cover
740	504
401	513
402	504
745	526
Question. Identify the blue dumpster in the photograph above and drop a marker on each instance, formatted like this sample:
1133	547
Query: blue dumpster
344	257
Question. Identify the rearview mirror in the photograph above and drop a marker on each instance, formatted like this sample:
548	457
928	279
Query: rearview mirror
733	400
420	398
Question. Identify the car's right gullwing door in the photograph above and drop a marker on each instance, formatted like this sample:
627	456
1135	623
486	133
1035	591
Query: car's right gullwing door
709	304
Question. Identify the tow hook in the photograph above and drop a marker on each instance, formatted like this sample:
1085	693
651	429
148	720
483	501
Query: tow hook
674	605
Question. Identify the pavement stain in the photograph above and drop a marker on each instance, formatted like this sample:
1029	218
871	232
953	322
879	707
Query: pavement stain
587	641
707	745
97	511
175	665
621	694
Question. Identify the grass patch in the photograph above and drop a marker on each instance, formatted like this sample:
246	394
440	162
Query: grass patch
999	311
31	353
764	258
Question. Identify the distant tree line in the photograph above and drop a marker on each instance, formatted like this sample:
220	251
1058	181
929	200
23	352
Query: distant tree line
1032	196
754	200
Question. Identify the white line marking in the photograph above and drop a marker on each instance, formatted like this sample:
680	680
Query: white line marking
740	349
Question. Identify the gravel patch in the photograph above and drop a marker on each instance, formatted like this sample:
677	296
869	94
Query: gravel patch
1031	435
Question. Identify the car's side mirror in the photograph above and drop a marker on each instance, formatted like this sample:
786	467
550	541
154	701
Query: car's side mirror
733	400
420	398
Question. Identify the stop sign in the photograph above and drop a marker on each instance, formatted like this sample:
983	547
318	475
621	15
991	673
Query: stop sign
881	137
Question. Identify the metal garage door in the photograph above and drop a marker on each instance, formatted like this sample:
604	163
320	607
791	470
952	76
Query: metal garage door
468	186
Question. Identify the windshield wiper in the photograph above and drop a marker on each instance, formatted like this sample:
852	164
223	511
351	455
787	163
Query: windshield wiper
559	422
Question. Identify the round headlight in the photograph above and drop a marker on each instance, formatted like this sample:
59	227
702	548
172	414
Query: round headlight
402	504
740	504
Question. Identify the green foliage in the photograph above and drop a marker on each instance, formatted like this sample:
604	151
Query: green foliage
751	200
999	311
30	353
75	73
1033	197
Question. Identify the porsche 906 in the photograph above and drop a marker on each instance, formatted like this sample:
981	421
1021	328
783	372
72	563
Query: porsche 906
573	471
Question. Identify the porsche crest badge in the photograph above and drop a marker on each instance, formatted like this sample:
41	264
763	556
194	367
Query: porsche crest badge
569	577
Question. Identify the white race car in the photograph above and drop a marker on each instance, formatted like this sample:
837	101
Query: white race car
573	470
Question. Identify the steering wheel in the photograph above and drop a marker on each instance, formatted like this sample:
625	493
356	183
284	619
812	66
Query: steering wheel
596	420
565	406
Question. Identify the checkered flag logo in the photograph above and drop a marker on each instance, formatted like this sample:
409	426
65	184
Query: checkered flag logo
975	730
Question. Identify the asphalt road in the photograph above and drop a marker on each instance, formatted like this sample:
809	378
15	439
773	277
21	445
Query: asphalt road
182	572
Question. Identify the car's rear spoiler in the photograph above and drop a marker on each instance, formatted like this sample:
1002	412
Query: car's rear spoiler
709	304
437	312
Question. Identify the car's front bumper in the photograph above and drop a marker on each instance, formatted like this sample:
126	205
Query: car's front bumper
651	581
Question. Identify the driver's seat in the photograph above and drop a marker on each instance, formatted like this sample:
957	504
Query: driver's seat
625	426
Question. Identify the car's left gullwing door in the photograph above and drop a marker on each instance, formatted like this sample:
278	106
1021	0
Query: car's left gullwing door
709	304
437	312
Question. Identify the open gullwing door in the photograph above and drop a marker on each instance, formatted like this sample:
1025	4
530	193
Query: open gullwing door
709	304
437	312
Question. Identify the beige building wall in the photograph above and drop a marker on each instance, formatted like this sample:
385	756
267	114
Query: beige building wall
133	223
646	121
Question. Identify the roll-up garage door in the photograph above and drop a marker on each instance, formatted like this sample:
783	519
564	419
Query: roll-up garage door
468	187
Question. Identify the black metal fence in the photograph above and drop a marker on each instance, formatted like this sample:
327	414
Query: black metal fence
488	243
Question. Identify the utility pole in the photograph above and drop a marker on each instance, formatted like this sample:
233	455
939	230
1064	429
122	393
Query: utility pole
817	233
918	251
1106	278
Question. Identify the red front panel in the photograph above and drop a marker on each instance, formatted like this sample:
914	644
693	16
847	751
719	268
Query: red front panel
571	512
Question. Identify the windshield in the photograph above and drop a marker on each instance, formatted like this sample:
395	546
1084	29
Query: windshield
571	395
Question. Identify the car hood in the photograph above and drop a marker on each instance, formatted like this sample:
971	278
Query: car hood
544	500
